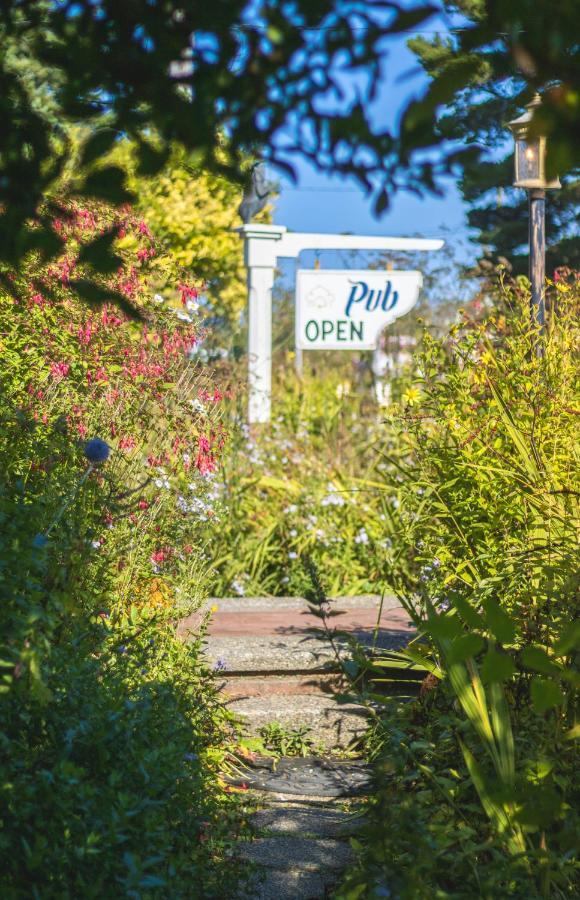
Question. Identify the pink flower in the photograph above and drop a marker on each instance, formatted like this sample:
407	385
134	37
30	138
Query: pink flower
204	461
59	370
187	292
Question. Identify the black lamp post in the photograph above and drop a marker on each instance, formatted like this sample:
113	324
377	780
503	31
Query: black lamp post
530	174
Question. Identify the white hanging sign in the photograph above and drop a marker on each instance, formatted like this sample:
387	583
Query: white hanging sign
344	309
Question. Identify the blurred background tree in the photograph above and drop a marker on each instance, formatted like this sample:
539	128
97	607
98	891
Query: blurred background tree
193	213
476	116
269	74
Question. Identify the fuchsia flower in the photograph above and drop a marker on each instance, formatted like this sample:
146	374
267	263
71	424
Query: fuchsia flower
204	461
162	555
187	292
59	370
143	228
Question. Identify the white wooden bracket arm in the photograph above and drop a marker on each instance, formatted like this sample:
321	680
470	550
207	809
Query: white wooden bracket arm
263	246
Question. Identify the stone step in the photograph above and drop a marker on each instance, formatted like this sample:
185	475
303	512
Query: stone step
305	821
245	687
312	775
297	853
331	724
288	616
269	654
289	884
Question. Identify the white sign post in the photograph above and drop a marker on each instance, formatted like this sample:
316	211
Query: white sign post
342	309
263	246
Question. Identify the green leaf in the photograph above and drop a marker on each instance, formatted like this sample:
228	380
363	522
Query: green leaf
466	611
569	639
97	145
408	20
444	626
381	203
97	295
498	621
536	658
465	647
494	810
540	805
107	184
497	667
152	160
99	253
42	240
546	694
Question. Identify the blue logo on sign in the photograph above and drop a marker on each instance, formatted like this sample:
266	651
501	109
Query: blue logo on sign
373	299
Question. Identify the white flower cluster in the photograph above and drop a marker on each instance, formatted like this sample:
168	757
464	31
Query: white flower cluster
196	506
162	481
361	537
333	498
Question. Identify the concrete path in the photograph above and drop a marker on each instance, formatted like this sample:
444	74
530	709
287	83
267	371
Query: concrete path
276	668
301	843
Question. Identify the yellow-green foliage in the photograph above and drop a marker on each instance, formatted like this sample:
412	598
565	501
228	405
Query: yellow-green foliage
194	213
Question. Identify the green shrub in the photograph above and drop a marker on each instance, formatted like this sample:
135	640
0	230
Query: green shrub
112	740
302	487
486	566
111	788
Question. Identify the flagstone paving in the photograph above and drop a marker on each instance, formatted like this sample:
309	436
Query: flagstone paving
301	843
275	668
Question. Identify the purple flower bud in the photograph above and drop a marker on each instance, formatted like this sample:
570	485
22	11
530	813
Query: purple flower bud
97	451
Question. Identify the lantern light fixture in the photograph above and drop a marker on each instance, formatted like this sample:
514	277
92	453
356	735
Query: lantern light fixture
530	152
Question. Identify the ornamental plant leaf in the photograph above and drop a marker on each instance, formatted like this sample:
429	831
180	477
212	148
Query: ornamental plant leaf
99	253
569	639
469	615
545	694
498	621
151	159
97	145
96	295
107	184
497	667
540	804
537	659
444	626
464	647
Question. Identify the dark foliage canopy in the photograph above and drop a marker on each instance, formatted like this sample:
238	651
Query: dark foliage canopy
477	115
232	75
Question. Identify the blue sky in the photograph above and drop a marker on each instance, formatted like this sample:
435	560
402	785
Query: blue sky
319	202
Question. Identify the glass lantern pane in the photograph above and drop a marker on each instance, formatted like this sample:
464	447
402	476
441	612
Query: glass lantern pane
529	160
